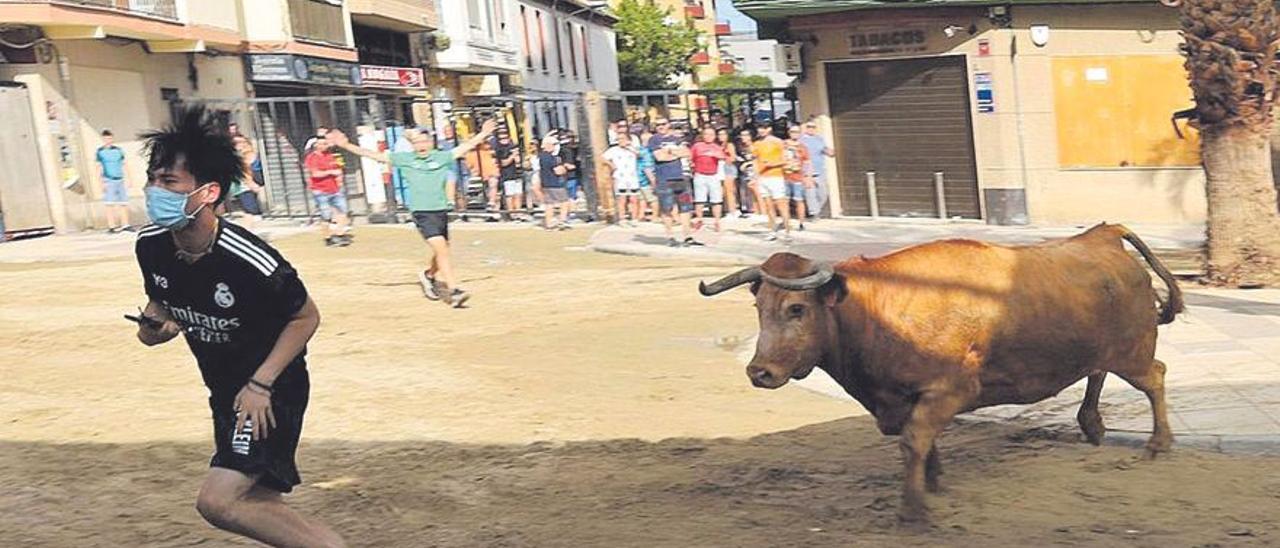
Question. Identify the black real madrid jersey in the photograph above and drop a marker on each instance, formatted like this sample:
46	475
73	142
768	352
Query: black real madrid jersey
232	303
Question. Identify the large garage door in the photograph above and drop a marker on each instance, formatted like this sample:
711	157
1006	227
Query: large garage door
905	121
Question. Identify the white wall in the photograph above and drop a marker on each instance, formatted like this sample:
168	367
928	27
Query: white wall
757	57
220	14
601	56
491	48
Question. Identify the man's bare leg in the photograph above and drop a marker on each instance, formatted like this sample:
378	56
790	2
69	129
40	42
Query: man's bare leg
231	501
441	267
717	211
783	206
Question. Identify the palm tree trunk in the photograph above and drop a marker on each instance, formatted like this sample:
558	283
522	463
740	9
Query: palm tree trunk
1243	227
1231	49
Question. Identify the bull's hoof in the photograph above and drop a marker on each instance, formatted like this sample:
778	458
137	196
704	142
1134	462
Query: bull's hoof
913	514
934	487
1156	446
1093	428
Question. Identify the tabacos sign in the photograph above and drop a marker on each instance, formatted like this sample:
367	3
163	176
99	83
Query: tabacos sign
376	76
887	40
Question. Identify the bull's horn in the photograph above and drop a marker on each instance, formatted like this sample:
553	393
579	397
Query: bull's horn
746	275
820	277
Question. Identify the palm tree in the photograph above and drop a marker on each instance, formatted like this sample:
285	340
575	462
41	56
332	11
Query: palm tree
1230	46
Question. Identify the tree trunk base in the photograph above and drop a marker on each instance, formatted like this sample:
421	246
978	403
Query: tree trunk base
1244	221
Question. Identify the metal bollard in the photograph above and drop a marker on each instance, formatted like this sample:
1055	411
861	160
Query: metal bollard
940	190
871	194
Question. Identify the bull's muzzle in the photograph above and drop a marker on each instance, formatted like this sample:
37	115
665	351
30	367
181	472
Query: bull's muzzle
762	378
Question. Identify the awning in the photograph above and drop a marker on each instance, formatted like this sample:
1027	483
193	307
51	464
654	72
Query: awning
765	10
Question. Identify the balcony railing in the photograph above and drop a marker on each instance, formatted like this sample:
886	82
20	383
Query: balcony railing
700	58
318	21
162	9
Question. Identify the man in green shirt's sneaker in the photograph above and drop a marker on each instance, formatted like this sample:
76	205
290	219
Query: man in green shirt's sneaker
428	195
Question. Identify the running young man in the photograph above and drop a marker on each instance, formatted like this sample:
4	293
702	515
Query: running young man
247	319
770	153
429	196
324	178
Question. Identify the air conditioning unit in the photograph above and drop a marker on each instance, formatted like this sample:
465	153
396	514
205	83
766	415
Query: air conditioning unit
787	58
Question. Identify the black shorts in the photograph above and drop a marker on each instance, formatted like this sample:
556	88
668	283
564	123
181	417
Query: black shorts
271	459
432	223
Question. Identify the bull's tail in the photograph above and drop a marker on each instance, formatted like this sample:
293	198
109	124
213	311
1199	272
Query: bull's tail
1172	306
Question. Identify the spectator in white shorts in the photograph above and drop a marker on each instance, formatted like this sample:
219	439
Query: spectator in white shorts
507	155
770	154
626	179
708	179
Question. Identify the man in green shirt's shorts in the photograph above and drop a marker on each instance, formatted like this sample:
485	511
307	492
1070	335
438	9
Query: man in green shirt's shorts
426	173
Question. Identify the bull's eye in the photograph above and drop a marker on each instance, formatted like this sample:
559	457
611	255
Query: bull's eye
795	310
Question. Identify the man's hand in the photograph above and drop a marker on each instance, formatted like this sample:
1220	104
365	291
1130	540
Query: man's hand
489	126
159	327
338	138
254	404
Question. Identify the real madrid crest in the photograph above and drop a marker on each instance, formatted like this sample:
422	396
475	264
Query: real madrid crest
223	297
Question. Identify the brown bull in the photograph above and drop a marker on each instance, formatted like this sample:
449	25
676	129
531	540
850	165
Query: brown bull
947	327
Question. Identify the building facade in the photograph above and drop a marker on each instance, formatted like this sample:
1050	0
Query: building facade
1037	112
536	55
745	53
91	65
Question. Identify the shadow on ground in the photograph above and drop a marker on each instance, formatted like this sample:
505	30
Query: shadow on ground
829	484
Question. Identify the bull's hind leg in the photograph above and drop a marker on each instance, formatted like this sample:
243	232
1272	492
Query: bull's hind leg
1088	417
1150	380
933	470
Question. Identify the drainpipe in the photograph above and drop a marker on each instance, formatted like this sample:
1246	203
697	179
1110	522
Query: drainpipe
74	135
1021	131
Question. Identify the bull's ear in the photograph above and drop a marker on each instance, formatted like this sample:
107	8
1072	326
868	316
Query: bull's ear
835	290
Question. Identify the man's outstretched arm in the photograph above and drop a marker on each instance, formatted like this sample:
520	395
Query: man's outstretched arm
341	141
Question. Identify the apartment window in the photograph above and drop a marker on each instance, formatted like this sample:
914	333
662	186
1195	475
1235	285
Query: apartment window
524	31
318	20
500	18
559	48
475	15
586	47
542	40
573	52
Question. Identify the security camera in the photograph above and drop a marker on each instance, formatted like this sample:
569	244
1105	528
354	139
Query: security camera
951	30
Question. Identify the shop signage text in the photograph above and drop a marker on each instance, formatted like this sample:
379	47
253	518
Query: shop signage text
308	70
376	76
887	41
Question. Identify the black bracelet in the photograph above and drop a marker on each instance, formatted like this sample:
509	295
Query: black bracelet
255	382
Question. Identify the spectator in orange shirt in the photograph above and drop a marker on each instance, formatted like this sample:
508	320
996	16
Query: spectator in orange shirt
770	154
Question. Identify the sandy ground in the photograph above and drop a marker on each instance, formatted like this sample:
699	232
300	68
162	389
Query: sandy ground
583	400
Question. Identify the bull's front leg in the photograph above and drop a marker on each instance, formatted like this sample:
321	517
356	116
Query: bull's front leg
930	415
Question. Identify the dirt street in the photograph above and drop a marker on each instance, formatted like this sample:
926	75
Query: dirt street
582	400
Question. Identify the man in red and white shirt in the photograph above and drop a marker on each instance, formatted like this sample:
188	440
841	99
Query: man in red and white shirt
324	178
708	184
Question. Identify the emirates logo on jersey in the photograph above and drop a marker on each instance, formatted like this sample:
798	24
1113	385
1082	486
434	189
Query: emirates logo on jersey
223	297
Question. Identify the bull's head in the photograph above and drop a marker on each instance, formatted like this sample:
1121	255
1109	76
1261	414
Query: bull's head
795	300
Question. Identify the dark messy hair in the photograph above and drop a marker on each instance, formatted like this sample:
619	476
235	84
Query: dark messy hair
208	152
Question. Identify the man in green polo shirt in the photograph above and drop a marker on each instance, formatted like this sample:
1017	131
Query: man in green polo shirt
426	172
